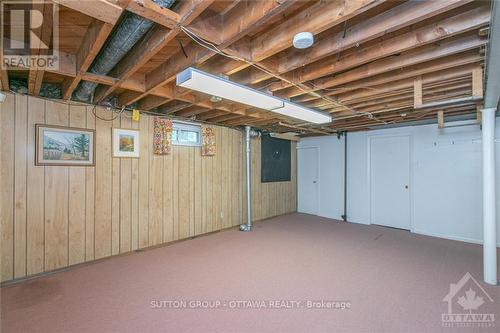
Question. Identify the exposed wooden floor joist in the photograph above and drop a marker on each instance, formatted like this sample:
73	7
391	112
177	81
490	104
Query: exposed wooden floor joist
361	68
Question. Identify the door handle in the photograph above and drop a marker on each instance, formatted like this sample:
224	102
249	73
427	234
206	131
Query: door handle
406	186
314	182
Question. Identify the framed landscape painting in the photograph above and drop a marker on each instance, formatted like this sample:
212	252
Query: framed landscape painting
125	143
67	146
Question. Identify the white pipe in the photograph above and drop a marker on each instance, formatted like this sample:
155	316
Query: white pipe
489	213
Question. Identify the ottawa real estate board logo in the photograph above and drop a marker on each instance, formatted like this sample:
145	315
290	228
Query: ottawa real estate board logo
469	305
30	35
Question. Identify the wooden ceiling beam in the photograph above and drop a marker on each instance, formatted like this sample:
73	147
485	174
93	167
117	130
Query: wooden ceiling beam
407	14
235	27
315	19
396	115
134	83
154	12
408	95
168	93
381	81
411	52
35	75
388	114
157	39
412	57
226	117
377	97
250	15
210	114
35	78
407	82
94	39
150	102
398	104
208	26
394	19
4	75
4	80
250	116
190	111
432	33
173	107
464	22
242	121
128	97
477	82
99	9
394	119
67	68
232	25
222	65
166	72
417	91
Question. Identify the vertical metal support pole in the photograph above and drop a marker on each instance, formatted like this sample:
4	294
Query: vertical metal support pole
248	225
249	192
489	204
344	216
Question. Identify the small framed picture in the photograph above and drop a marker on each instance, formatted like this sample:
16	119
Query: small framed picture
125	143
64	146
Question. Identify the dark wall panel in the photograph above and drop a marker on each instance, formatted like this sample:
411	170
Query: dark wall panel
275	160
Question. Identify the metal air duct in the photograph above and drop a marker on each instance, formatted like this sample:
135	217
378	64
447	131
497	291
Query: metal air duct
129	31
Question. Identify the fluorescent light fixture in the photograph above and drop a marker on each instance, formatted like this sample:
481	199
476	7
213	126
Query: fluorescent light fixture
297	111
195	79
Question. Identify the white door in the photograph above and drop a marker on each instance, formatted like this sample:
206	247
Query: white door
390	181
308	180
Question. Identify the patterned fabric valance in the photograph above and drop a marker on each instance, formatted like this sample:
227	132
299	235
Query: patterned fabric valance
162	136
207	141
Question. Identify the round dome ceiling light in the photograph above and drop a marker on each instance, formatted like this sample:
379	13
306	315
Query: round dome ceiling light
303	40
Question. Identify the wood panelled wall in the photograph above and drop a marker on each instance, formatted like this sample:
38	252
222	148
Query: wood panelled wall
53	217
272	199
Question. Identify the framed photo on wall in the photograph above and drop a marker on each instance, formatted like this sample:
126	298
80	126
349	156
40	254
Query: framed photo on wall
64	146
125	143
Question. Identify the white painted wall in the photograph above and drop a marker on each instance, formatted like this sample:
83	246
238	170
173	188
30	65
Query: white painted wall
446	185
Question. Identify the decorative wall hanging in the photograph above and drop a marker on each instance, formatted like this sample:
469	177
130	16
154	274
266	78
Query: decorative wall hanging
136	115
125	143
162	136
208	147
68	146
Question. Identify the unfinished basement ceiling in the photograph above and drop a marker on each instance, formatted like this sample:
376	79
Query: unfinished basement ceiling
372	62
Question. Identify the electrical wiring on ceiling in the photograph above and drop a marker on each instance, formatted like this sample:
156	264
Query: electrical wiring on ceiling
202	42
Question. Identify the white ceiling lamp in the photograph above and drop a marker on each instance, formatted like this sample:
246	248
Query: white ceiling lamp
297	111
195	79
303	40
